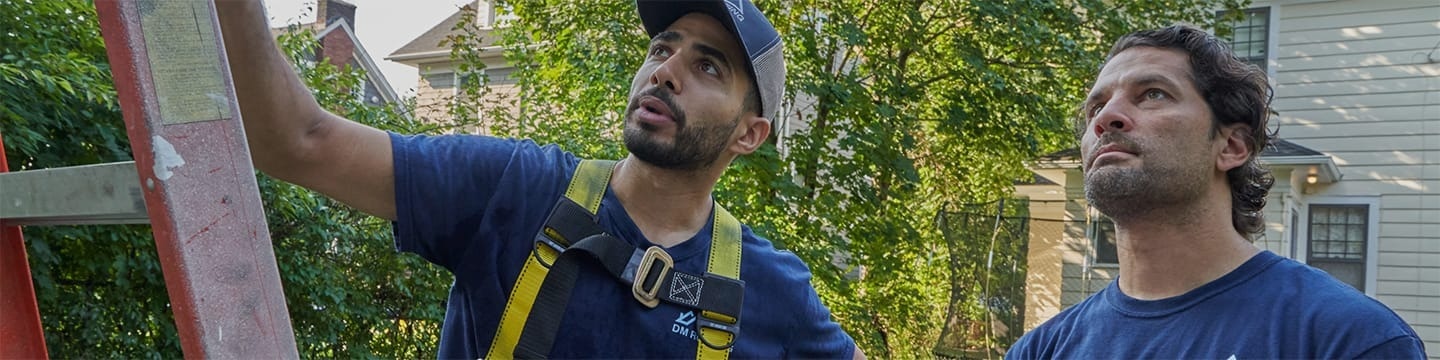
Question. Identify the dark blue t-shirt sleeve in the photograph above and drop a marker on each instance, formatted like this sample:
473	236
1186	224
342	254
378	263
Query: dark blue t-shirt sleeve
1024	348
1404	347
444	186
818	336
814	335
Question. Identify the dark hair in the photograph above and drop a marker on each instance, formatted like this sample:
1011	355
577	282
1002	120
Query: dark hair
752	97
1237	93
752	101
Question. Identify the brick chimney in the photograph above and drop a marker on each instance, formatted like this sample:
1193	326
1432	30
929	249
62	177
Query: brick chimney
337	44
335	10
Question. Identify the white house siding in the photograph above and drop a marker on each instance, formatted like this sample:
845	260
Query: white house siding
1045	256
1061	251
1080	276
1360	81
1282	197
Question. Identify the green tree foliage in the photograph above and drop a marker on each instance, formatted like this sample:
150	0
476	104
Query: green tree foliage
350	294
906	106
100	288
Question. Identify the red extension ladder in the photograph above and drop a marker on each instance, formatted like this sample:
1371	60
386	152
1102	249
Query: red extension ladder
191	180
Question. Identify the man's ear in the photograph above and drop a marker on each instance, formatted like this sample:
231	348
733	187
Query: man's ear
1234	153
752	131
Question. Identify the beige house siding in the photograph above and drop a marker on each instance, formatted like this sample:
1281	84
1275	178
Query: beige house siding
1360	81
1042	284
435	91
432	99
1082	276
1062	270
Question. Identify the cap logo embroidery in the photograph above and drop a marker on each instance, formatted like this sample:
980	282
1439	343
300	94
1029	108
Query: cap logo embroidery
736	10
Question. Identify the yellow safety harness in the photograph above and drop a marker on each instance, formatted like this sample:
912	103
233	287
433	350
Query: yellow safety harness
537	302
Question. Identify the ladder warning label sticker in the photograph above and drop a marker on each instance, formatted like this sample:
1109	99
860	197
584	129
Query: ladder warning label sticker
181	45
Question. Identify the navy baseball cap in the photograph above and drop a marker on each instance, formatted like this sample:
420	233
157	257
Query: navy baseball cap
762	44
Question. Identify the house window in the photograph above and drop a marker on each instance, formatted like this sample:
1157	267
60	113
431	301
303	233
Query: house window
500	76
496	76
1250	36
1337	241
440	80
1102	233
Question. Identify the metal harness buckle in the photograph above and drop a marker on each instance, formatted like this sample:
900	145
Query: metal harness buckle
544	239
706	322
648	297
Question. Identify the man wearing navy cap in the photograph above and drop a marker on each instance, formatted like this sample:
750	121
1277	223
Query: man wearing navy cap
708	86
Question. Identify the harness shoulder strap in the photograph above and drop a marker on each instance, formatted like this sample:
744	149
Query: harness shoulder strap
532	313
724	261
588	185
586	188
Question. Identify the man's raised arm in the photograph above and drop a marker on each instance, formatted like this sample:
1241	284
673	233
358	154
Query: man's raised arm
290	136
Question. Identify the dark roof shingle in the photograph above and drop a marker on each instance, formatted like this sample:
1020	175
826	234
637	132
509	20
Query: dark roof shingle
431	39
1281	147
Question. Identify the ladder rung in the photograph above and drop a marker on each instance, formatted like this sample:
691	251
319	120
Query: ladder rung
78	195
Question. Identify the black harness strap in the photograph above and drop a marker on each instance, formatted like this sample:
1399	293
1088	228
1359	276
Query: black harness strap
651	268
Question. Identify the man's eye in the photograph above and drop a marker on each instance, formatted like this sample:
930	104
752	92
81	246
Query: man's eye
1156	94
660	51
1095	109
709	68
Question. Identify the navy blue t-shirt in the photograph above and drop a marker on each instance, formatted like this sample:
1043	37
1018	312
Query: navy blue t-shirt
1268	308
472	204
